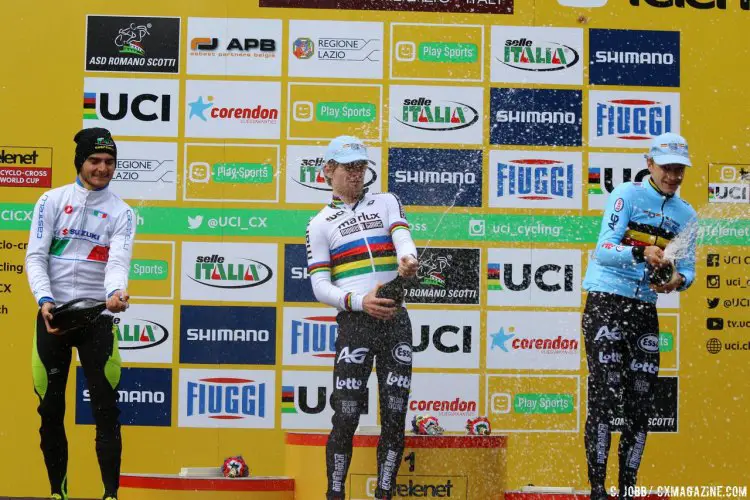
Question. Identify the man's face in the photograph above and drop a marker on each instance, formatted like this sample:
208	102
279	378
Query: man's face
347	178
97	171
667	177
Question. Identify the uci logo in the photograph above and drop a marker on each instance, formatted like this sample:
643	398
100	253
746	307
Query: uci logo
462	343
402	353
143	107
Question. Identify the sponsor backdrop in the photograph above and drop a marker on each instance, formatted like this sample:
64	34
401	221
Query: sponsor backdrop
503	126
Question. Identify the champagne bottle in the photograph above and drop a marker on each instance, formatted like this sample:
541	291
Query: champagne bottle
661	276
393	290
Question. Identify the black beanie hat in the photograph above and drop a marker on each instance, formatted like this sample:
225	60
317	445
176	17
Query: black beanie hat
90	141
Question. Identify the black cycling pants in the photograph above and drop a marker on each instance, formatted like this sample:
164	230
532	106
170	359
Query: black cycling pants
100	358
622	350
360	339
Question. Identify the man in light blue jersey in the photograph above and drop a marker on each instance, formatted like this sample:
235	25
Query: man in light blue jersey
620	324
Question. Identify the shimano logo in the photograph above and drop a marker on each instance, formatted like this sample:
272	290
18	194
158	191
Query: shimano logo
227	335
436	177
604	56
552	117
149	397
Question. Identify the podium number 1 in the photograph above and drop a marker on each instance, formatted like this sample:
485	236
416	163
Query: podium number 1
412	459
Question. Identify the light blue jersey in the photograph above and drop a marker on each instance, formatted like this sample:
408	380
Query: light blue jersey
638	215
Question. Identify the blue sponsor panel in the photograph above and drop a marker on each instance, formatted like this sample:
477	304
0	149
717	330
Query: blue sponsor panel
436	177
631	119
634	57
536	117
145	397
228	335
297	285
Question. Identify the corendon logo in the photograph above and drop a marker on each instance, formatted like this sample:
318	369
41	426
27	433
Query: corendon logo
535	179
139	334
356	356
529	55
633	119
215	272
315	335
226	398
114	107
311	175
421	113
494	278
455	406
253	115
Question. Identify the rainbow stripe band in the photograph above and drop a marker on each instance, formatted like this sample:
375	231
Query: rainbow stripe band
348	301
398	225
319	267
362	256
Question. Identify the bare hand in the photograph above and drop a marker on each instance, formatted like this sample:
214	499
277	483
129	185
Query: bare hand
47	315
655	257
670	286
407	266
378	308
118	301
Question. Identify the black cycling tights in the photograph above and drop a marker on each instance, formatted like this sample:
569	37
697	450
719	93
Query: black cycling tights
361	338
622	350
100	358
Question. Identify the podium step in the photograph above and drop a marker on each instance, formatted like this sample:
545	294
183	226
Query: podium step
177	486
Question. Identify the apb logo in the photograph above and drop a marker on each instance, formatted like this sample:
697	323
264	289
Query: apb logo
634	57
536	117
234	46
609	170
226	398
131	107
525	54
133	44
540	277
631	119
144	397
535	179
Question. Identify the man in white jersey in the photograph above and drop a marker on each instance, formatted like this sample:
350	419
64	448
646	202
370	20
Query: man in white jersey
80	246
355	244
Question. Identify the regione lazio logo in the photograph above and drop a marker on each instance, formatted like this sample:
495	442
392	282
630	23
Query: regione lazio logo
306	398
517	277
335	49
232	109
229	271
522	340
631	119
227	398
146	170
310	336
524	54
609	170
436	114
131	107
305	182
535	179
234	46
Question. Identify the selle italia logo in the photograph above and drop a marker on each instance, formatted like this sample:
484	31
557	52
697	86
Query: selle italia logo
424	114
530	55
139	333
218	272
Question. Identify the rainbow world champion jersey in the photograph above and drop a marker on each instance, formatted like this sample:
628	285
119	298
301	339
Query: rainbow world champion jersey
350	249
